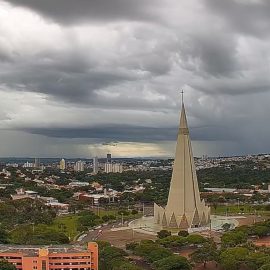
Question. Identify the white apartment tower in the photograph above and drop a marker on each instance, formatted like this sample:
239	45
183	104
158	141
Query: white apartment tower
117	168
95	165
79	166
108	167
114	168
62	164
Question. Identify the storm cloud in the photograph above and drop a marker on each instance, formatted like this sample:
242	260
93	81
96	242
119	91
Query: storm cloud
83	11
76	74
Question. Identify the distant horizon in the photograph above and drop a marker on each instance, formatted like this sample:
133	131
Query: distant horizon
104	157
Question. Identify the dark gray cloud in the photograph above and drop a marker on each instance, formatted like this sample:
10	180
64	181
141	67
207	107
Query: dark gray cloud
95	71
81	11
248	17
128	133
211	54
111	133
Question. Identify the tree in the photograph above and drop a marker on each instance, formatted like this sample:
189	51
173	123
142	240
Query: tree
233	258
172	241
134	212
195	239
41	235
131	246
208	252
183	233
265	267
257	259
111	258
163	233
5	265
151	251
226	227
233	238
158	254
260	230
3	236
173	262
102	245
105	218
88	220
128	266
123	212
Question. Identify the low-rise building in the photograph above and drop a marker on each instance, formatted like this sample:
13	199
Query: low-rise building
24	194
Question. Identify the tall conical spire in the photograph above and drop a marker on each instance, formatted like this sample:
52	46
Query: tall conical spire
184	204
183	122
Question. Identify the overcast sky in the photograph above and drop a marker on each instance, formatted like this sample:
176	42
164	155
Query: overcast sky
81	78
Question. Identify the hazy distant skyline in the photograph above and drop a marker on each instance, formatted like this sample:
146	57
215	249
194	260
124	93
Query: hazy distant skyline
81	78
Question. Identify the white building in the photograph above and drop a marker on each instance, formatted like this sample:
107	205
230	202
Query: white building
78	184
114	168
62	164
28	165
108	167
79	166
117	168
37	163
95	165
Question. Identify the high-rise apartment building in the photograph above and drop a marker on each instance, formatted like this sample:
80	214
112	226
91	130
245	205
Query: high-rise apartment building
108	167
51	258
37	163
79	166
117	168
95	165
109	158
62	164
114	168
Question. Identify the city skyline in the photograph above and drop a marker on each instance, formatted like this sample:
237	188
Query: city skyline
87	78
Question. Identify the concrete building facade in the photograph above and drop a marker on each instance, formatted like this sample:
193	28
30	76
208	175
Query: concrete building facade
95	165
51	258
79	166
109	158
113	167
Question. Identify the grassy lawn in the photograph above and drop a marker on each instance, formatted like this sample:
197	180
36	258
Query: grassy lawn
69	224
234	209
66	224
102	212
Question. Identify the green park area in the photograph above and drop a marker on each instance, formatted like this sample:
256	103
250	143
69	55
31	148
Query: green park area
70	224
33	223
240	209
66	224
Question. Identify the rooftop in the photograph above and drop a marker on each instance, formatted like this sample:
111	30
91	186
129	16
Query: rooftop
28	250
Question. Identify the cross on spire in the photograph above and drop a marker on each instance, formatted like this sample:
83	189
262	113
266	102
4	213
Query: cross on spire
182	93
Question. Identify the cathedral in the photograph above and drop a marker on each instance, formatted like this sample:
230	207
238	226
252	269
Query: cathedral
184	208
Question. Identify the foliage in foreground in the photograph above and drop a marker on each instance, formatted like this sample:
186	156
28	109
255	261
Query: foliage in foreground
4	265
112	258
172	262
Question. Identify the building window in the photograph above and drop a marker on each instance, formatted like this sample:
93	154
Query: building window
44	265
